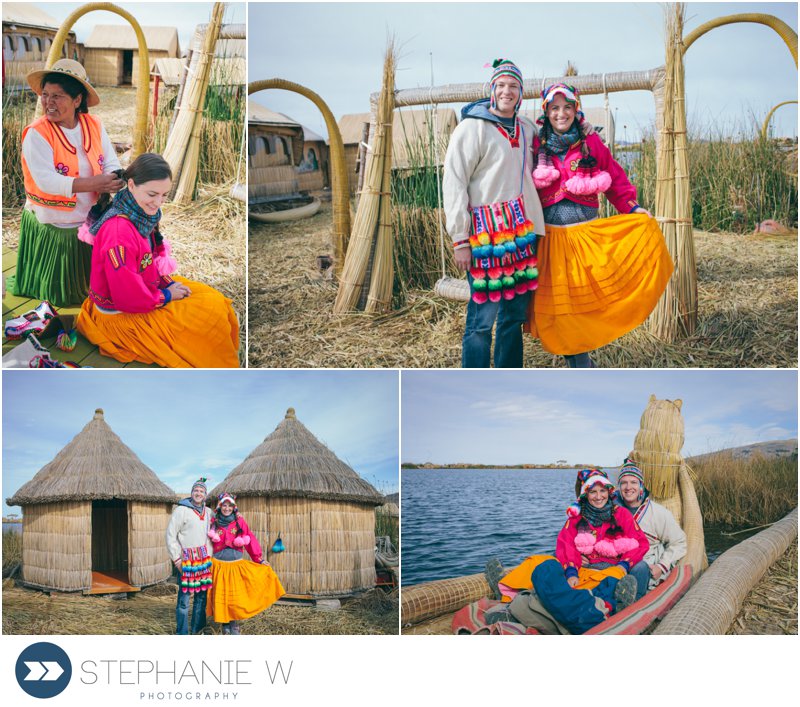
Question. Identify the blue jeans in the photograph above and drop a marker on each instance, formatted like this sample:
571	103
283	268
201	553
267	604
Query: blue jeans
641	570
510	315
581	360
182	612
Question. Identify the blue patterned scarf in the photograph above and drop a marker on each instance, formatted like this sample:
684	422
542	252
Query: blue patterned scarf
124	204
559	144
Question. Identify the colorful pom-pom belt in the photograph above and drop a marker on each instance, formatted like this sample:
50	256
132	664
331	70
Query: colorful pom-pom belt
503	244
195	570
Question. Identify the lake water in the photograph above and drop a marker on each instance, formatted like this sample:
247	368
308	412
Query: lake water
15	527
453	520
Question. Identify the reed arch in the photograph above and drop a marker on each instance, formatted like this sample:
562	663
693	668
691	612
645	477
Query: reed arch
340	201
142	90
769	117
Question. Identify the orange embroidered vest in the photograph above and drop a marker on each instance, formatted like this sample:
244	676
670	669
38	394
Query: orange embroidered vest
65	158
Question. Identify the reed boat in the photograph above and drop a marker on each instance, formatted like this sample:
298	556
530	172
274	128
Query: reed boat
430	608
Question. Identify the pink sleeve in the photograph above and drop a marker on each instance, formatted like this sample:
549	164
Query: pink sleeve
566	552
253	547
118	240
621	193
632	530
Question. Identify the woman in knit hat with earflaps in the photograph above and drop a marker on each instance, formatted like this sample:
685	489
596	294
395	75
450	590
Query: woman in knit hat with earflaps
599	279
240	588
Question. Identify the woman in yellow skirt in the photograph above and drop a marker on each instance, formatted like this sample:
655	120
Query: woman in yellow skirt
240	588
598	279
136	310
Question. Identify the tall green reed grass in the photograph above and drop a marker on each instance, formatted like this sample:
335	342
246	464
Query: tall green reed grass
739	493
19	109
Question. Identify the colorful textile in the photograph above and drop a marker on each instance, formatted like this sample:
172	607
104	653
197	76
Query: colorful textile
195	569
65	158
236	534
597	281
619	543
503	243
52	264
199	331
242	589
471	620
569	92
124	204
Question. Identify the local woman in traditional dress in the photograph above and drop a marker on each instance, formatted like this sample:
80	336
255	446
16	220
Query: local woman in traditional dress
67	161
598	279
241	588
136	311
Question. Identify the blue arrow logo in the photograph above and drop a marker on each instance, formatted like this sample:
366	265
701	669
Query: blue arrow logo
43	670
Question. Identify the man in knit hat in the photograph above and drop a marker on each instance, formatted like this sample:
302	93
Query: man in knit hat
667	539
189	549
493	218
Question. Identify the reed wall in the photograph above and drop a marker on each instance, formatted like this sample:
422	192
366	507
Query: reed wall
330	546
103	66
147	555
57	545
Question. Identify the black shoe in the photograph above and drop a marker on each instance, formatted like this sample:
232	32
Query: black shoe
625	592
494	573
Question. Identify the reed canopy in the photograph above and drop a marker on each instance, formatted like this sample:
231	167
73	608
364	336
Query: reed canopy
96	507
294	487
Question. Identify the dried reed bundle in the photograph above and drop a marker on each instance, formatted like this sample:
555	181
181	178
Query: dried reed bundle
663	322
657	447
371	213
183	147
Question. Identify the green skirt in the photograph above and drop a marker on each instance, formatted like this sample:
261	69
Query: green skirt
52	264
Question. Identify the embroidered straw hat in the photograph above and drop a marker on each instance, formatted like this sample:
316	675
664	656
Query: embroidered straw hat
70	68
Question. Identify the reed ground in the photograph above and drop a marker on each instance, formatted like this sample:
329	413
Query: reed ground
207	235
152	612
747	291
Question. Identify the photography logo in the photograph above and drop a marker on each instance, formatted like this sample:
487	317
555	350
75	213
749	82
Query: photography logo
43	670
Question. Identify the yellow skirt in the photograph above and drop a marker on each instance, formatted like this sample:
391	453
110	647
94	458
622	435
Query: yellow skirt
520	577
241	589
199	331
597	281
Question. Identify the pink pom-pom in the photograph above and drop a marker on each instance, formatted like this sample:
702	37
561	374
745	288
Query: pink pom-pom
580	185
477	273
495	295
239	542
585	542
85	235
605	548
165	263
479	297
602	180
623	545
544	176
509	293
521	288
214	536
533	285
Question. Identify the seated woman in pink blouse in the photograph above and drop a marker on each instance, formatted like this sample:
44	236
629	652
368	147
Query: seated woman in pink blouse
136	311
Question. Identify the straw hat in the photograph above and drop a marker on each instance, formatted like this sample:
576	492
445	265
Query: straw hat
70	68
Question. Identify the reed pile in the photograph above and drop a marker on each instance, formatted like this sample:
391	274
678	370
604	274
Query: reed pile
747	318
370	248
657	447
152	612
745	493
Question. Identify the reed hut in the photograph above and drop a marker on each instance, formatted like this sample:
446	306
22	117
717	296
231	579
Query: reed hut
94	516
285	158
28	33
112	52
408	129
293	485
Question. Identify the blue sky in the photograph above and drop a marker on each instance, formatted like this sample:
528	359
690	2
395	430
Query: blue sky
336	49
153	14
588	418
186	423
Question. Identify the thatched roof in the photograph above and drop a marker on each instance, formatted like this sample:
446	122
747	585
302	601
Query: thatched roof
25	13
260	115
162	39
292	462
96	464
